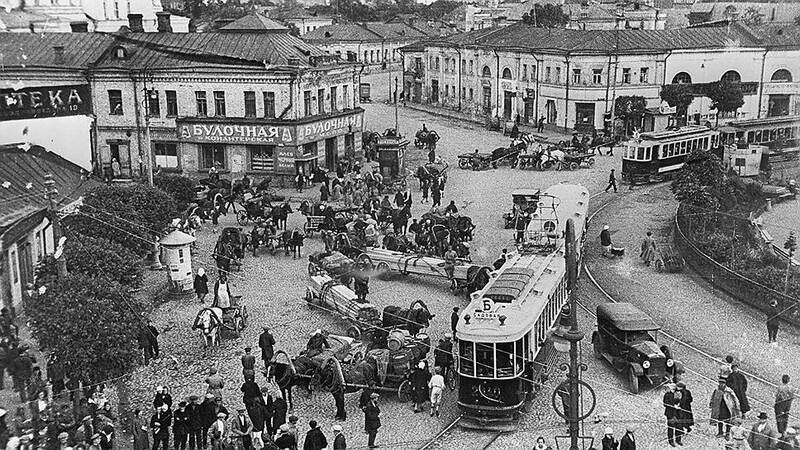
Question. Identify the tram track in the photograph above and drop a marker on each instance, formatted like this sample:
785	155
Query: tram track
476	438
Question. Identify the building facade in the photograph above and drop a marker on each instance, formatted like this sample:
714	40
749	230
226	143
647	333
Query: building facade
571	78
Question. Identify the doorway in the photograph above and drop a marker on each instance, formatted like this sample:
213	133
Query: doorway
487	99
331	156
435	91
417	92
530	107
25	260
508	103
584	116
550	112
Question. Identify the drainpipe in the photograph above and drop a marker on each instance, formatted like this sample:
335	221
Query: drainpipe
497	77
608	84
136	112
291	96
761	84
459	78
97	157
536	100
566	95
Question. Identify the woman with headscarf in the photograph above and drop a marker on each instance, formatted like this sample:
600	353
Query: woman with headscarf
222	292
201	284
648	253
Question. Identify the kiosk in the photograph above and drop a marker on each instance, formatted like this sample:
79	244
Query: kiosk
391	156
177	256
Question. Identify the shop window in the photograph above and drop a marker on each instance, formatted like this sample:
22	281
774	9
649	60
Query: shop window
211	154
249	104
219	103
262	157
731	76
269	104
349	143
782	76
115	102
310	148
682	78
307	102
166	154
334	103
202	103
153	104
597	76
172	103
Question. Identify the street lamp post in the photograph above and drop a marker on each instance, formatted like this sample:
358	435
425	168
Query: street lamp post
619	15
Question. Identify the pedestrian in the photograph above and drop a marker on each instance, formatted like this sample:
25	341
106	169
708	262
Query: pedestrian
339	442
162	397
450	260
215	384
540	125
266	342
762	435
315	438
141	438
773	322
608	442
220	432
285	440
724	407
685	416
324	192
201	284
195	416
222	292
248	364
426	185
605	241
160	423
436	194
451	208
145	344
361	285
784	395
628	441
372	419
454	321
364	398
648	249
612	181
55	372
436	386
338	399
300	181
180	426
279	410
738	435
541	444
208	414
671	412
738	383
419	382
789	440
520	225
241	429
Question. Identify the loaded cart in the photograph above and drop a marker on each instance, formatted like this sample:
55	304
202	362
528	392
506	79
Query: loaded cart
328	293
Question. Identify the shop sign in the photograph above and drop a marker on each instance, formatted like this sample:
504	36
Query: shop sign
285	160
40	102
236	134
337	126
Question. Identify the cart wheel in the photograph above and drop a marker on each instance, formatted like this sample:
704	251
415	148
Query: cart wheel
463	163
633	381
404	391
383	271
241	217
659	265
364	262
573	165
451	379
590	161
354	332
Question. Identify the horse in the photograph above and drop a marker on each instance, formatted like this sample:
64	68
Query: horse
477	278
462	227
398	243
283	371
292	240
426	140
551	157
414	318
209	321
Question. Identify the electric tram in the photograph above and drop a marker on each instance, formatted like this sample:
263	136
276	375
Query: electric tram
781	136
655	155
503	350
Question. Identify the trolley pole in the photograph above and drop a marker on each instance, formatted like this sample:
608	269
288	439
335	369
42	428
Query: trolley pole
61	261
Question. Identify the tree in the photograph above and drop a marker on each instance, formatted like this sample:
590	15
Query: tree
89	323
546	16
752	16
133	216
630	109
702	182
180	188
680	97
725	96
98	257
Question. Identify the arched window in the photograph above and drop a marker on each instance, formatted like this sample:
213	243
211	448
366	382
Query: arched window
731	76
682	78
506	73
782	76
487	72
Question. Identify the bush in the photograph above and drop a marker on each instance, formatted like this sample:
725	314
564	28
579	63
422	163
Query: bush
180	188
99	257
133	216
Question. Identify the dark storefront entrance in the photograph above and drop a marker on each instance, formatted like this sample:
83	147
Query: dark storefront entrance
584	116
330	154
778	105
435	91
508	101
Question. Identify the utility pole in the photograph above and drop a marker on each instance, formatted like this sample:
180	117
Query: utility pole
396	122
148	143
61	262
619	16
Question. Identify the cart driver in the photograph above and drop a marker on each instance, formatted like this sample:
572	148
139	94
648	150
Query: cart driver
450	259
317	343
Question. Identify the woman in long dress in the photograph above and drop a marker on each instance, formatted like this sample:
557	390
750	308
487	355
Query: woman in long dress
648	253
141	437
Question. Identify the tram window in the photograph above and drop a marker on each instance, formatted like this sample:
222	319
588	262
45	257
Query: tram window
751	136
647	154
782	132
484	359
683	148
694	144
705	143
757	138
505	360
773	135
640	153
655	152
519	354
467	354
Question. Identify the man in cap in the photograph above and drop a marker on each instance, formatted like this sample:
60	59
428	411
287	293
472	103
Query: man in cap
208	414
454	320
724	406
608	439
738	382
628	441
773	322
436	386
180	426
684	414
315	438
285	440
215	384
784	395
195	423
162	397
762	435
241	427
605	241
63	440
671	412
248	364
738	434
612	181
316	343
293	427
266	342
339	443
219	432
372	420
160	423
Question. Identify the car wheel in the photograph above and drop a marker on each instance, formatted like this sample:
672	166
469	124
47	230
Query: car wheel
633	381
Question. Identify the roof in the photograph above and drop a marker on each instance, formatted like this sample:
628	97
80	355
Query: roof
22	180
176	238
292	13
254	23
626	317
368	31
36	50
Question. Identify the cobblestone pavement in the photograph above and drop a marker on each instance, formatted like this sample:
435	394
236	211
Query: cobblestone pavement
687	306
273	286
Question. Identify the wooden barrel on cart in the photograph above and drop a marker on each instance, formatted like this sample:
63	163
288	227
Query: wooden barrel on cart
399	361
396	340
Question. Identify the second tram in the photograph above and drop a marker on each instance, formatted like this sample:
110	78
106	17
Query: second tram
658	154
503	350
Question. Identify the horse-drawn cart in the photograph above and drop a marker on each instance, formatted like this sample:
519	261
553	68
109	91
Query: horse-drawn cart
333	263
573	160
475	160
213	320
328	293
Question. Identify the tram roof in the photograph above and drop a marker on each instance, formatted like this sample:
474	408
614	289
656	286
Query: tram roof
682	131
765	121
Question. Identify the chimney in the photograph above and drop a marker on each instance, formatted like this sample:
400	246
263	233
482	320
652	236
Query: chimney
79	27
59	54
164	25
135	23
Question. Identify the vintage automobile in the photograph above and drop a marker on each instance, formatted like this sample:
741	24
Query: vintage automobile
522	201
626	338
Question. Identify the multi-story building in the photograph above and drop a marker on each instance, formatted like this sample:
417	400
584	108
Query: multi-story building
304	21
266	104
768	11
572	77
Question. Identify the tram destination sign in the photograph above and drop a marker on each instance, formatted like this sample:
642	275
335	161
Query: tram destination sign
46	101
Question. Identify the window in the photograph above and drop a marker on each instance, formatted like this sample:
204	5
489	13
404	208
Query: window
547	74
682	78
436	60
506	73
219	103
262	157
782	76
166	154
524	72
487	72
172	103
310	148
202	104
307	102
115	102
463	66
212	154
471	94
576	76
626	76
366	54
320	101
471	68
558	75
446	90
597	76
249	104
334	104
463	93
269	104
643	75
345	96
732	76
153	105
